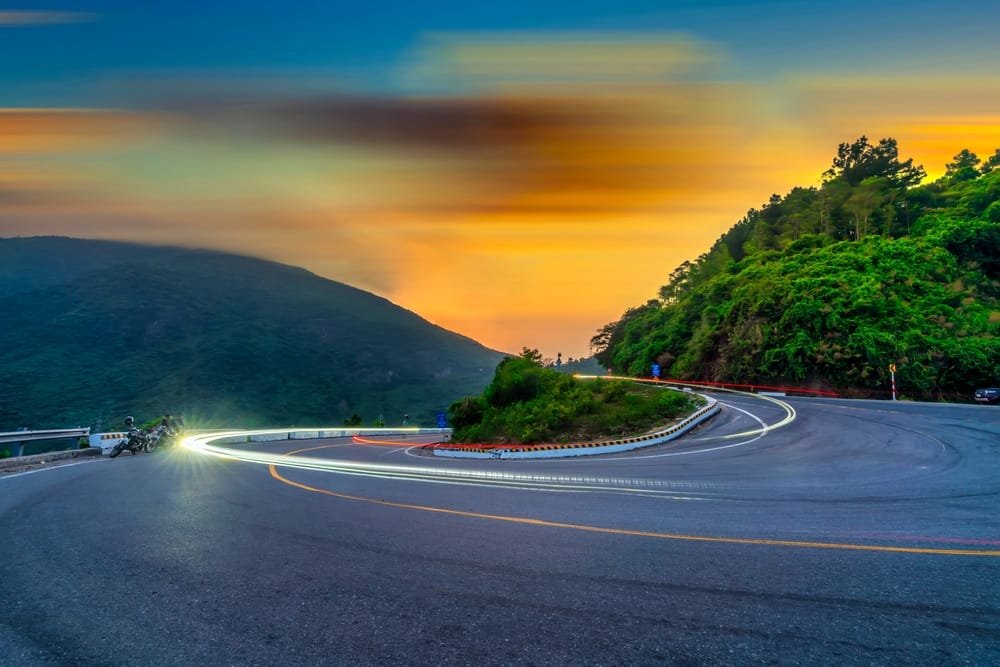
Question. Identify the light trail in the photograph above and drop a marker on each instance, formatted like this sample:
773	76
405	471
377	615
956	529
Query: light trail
203	444
564	483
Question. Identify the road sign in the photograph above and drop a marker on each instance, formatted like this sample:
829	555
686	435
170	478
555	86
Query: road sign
656	371
892	368
442	420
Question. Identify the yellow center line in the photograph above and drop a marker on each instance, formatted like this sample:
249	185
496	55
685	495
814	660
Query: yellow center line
625	531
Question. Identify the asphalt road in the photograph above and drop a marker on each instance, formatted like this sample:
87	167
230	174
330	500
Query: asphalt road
861	533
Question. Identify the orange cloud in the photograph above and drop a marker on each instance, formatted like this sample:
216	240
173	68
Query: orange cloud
34	131
528	201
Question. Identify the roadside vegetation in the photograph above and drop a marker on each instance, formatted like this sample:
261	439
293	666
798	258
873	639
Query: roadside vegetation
529	403
827	286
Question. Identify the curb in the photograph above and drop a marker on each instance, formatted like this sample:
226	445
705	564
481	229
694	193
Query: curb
584	448
16	461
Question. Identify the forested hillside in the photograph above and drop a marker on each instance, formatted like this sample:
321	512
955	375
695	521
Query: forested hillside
826	286
93	331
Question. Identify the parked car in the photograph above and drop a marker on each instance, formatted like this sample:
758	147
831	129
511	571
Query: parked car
989	395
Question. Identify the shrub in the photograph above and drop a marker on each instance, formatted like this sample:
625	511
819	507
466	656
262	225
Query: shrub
526	403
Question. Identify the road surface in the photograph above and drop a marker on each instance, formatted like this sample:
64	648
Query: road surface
859	533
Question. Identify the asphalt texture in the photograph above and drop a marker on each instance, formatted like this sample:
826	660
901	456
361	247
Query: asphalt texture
861	533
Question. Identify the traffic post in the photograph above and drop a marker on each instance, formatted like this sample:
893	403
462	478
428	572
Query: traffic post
892	373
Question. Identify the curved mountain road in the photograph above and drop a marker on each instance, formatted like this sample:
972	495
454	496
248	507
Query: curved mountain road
859	533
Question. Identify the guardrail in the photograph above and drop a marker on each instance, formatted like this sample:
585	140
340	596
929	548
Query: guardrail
18	438
276	434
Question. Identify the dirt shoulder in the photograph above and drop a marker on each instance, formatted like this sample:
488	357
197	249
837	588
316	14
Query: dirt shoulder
23	463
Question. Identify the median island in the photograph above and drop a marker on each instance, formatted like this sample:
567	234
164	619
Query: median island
527	403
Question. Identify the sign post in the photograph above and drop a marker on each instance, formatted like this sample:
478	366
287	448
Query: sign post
656	371
892	372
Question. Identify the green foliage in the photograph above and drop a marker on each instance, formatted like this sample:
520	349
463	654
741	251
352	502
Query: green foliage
828	286
859	161
526	403
964	166
353	420
991	163
532	355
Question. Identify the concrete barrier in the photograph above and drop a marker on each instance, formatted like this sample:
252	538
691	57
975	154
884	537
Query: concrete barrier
106	441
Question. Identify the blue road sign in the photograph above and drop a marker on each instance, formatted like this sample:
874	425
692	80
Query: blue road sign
442	420
656	370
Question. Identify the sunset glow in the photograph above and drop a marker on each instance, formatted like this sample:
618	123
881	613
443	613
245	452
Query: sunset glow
519	186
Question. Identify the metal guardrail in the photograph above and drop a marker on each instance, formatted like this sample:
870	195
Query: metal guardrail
18	438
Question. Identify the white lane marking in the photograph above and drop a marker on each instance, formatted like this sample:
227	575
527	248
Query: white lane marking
765	427
395	451
693	451
50	468
409	451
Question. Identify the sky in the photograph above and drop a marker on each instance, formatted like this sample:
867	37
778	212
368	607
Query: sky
518	172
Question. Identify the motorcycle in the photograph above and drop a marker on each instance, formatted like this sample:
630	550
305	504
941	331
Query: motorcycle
134	442
156	437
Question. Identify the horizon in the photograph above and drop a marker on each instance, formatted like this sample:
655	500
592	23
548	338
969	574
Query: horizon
520	180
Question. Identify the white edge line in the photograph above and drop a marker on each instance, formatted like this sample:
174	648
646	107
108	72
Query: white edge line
51	468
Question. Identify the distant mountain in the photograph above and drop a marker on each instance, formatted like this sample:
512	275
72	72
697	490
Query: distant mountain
41	261
583	366
95	330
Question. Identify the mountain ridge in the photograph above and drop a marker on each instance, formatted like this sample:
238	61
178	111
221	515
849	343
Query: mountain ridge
219	337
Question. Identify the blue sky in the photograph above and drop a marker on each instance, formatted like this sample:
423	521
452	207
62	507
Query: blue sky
78	63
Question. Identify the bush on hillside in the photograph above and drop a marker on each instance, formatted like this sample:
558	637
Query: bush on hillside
527	403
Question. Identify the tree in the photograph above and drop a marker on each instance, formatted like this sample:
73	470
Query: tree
532	355
857	161
991	163
600	341
963	167
822	311
680	280
769	224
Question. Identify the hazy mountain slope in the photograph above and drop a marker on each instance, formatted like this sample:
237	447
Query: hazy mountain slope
223	339
40	261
